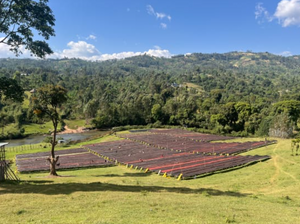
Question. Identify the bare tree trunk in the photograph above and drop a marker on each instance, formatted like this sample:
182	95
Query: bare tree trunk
52	159
53	162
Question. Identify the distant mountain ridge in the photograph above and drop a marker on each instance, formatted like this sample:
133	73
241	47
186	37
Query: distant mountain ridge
238	61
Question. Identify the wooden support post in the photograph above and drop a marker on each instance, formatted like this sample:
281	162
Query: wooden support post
2	161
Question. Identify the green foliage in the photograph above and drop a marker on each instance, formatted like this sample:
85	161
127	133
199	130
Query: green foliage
10	89
156	112
291	108
236	93
19	21
264	126
281	126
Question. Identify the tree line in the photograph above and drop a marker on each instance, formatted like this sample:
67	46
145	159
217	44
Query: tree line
256	99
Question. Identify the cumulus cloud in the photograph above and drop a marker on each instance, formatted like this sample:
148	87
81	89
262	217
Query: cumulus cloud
287	13
158	15
80	49
122	55
86	51
6	53
285	53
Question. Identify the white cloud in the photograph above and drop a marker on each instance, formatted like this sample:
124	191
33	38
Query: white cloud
288	12
80	49
158	15
91	37
163	25
150	10
285	53
86	51
6	53
261	14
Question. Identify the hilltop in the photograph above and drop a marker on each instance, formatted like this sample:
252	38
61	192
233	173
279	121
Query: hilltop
232	93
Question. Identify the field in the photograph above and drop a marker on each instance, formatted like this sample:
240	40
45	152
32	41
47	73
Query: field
171	152
267	192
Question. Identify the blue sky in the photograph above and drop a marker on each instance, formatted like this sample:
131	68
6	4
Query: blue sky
106	29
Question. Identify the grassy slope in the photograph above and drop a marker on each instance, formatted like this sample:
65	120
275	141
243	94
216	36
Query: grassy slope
47	127
266	192
74	124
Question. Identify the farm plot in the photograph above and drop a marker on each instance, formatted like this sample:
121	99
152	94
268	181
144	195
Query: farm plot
190	135
161	153
193	165
167	162
71	158
126	151
188	145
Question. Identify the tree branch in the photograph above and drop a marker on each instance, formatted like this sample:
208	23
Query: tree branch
7	14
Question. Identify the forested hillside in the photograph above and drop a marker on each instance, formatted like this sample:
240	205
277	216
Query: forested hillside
239	93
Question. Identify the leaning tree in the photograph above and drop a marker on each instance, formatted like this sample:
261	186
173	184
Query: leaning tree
47	102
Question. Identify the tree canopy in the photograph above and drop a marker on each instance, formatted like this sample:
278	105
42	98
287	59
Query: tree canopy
10	89
234	93
20	19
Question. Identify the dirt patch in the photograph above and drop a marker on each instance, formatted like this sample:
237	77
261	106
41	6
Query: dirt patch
70	131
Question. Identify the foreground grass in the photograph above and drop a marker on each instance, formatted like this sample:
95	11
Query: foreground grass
266	192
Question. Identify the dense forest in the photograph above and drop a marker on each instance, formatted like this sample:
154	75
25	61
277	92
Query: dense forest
237	93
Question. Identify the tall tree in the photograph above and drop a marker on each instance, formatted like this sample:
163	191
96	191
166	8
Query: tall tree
10	89
20	19
47	102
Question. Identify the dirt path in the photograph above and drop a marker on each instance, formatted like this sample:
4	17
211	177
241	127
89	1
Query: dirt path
272	188
275	158
278	168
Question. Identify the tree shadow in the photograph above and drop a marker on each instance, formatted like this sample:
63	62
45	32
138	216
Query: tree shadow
50	188
125	175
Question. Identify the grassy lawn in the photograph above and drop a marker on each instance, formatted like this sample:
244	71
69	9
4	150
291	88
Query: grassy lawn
267	192
32	129
45	128
74	124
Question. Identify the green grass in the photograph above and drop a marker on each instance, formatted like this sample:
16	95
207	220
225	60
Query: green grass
74	124
267	192
26	101
33	129
45	128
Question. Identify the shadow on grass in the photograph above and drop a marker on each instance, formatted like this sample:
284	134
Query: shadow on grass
126	175
51	188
